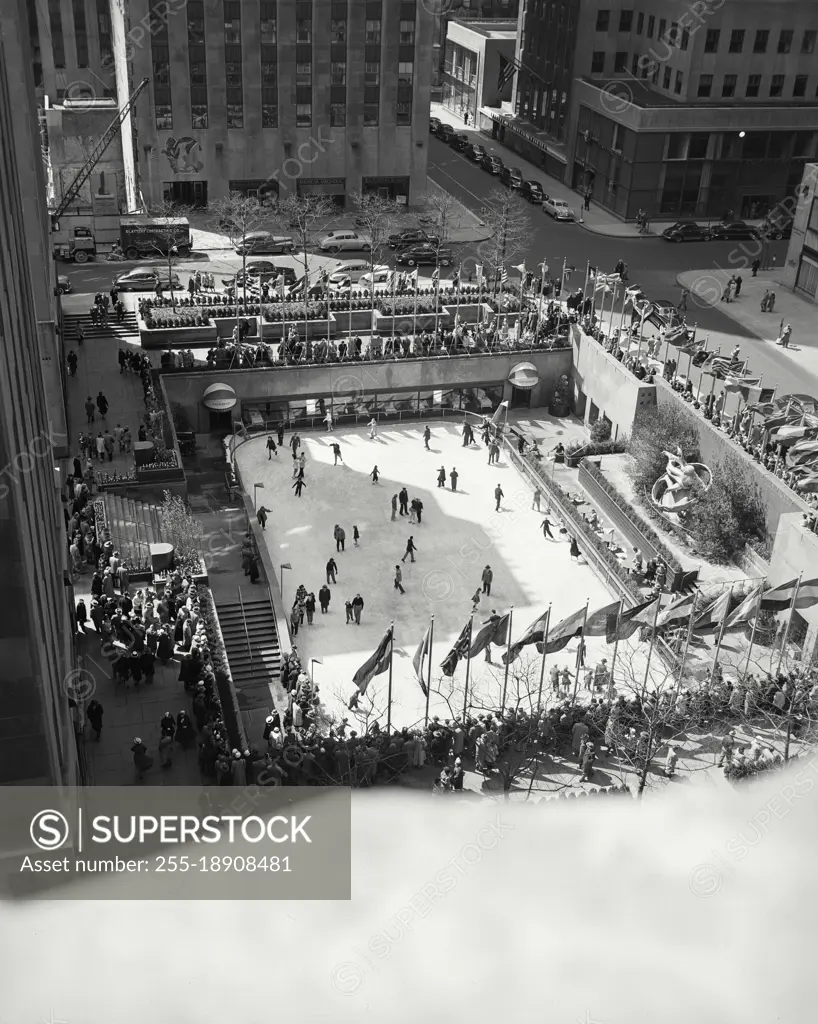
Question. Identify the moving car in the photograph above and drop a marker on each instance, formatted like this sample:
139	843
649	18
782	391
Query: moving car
381	278
476	152
145	279
264	242
459	142
63	285
511	176
532	191
411	236
444	131
736	229
434	124
340	241
492	164
352	270
558	208
425	254
775	228
687	231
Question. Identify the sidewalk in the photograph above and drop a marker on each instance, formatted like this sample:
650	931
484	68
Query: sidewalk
707	286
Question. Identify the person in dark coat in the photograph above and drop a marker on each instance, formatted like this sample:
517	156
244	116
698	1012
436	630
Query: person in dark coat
254	572
453	477
167	725
82	615
441	477
403	498
185	733
164	648
141	760
574	549
324	596
148	662
94	714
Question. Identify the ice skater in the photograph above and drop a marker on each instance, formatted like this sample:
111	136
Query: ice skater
453	477
271	448
328	420
498	497
574	551
375	475
535	501
427	434
295	443
394	506
373	429
332	571
261	516
356	536
299	485
296	466
403	498
545	526
336	451
441	477
410	550
399	579
340	536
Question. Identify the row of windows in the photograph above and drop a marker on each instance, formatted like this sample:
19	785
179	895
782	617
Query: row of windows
681	37
752	86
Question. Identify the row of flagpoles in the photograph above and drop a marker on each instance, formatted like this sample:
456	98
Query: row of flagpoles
612	621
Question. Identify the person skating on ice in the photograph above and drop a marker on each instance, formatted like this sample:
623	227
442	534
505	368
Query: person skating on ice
410	550
441	477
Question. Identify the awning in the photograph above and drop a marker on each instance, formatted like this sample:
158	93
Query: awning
524	375
219	397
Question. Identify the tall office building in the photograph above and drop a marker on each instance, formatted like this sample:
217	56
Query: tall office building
37	739
644	103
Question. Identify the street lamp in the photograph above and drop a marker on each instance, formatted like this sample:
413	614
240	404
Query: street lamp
255	496
286	565
314	661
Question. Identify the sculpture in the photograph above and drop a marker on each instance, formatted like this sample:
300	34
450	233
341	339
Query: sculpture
682	485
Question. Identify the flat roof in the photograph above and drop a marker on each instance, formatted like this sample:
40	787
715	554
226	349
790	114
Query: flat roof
630	90
490	27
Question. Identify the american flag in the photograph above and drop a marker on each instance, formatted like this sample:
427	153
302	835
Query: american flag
503	275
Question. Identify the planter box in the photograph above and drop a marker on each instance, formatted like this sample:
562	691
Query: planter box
469	312
382	324
177	337
146	475
225	325
314	328
359	320
559	411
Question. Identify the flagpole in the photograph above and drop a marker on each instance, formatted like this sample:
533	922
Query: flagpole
468	667
753	631
688	638
508	660
622	312
585	284
457	305
721	637
652	642
789	623
283	315
391	659
579	651
479	297
415	314
544	652
701	372
429	676
613	658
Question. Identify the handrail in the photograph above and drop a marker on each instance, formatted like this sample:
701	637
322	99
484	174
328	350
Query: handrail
244	623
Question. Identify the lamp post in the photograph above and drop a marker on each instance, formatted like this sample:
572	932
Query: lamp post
255	494
285	565
314	661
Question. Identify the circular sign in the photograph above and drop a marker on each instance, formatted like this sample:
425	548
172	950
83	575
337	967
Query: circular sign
219	398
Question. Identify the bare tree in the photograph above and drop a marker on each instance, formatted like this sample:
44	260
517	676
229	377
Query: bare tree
165	213
378	215
304	215
506	215
441	210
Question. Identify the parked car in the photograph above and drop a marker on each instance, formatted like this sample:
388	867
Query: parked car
145	279
512	177
492	164
411	236
687	231
735	229
347	270
264	242
444	131
434	124
459	142
532	191
425	254
476	152
63	285
558	208
261	273
340	241
776	229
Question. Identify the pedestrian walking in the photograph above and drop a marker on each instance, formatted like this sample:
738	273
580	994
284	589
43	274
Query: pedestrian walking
309	607
486	578
765	301
453	477
280	432
102	405
545	526
94	713
587	199
373	428
166	750
80	336
324	597
498	497
441	477
403	498
375	475
90	409
683	300
261	516
72	362
336	451
771	301
141	759
535	503
755	267
340	536
254	570
427	434
298	485
394	506
348	609
357	608
356	536
271	448
398	579
738	285
410	550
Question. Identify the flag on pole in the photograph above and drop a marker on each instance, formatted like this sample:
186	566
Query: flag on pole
458	652
419	659
378	662
521	268
496	417
677	611
503	275
779	599
436	273
564	631
479	273
507	72
597	623
533	635
747	610
630	621
714	614
495	631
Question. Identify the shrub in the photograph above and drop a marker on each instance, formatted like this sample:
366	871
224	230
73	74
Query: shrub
730	515
601	430
182	530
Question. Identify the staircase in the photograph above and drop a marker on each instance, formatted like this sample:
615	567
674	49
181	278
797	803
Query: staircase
134	526
251	621
125	330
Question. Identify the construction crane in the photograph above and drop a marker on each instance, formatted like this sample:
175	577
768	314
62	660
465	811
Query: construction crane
85	171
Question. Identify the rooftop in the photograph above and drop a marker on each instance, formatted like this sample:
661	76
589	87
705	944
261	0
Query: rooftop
491	28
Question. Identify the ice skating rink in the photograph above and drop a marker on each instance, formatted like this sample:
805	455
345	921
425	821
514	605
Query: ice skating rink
459	535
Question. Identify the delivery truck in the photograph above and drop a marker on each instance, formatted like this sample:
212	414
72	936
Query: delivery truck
129	238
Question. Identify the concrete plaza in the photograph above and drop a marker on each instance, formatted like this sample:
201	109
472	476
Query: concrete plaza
459	535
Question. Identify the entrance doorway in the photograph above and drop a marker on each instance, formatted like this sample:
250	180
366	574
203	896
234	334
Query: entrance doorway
520	397
186	193
221	422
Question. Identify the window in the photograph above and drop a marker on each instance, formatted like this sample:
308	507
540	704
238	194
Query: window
640	22
406	71
404	112
338	73
651	23
666	79
338	31
373	31
635	65
303	32
603	20
684	42
163	116
753	85
760	41
799	85
338	115
269	112
677	85
705	85
625	21
57	40
303	74
616	143
776	85
711	41
785	40
808	41
235	115
81	33
728	85
371	115
268	31
697	149
104	28
736	40
372	74
233	64
407	33
677	146
662	26
303	115
232	22
195	23
621	62
598	62
232	75
198	66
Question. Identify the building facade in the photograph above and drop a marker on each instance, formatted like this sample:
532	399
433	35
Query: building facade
36	634
449	11
475	52
801	267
